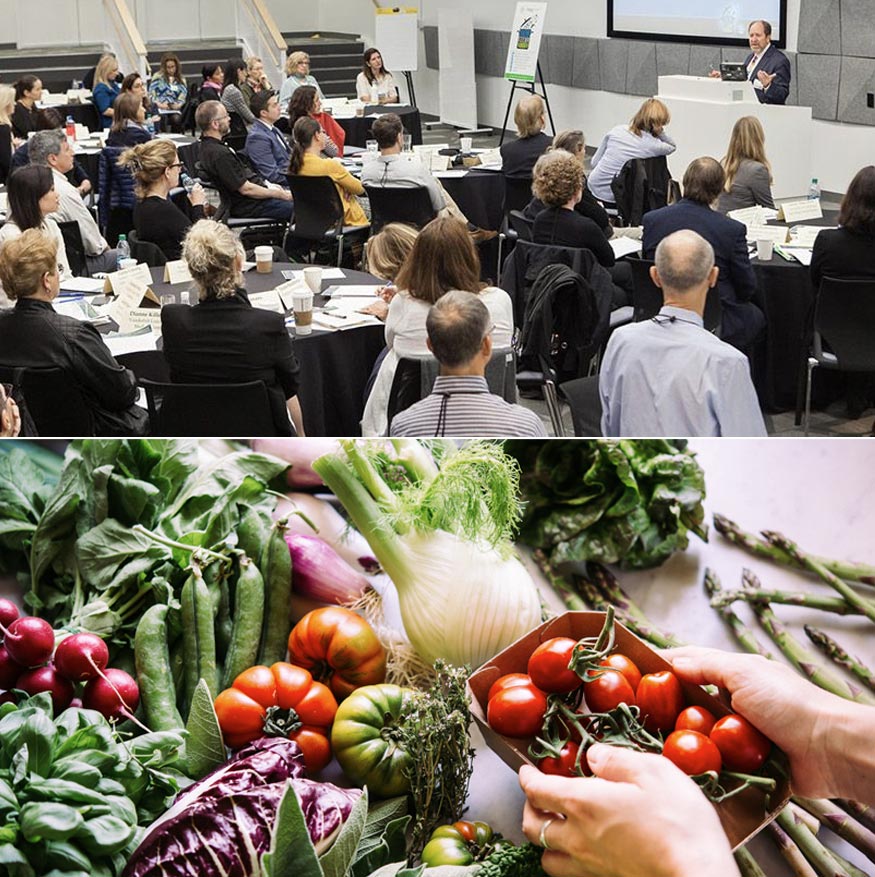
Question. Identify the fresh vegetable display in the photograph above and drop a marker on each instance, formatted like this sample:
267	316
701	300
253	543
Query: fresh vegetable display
461	843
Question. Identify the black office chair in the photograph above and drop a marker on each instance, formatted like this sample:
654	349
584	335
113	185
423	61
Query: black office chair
584	402
215	410
517	194
75	247
319	216
411	206
146	251
521	224
146	364
52	400
844	326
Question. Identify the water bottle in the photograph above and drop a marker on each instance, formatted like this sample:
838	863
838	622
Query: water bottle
375	94
122	251
150	125
187	182
70	129
814	190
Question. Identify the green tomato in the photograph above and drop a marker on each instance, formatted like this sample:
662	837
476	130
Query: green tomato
365	739
446	851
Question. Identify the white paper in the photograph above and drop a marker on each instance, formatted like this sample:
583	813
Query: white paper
177	272
267	301
623	246
131	343
777	234
340	322
355	291
795	211
248	266
129	286
140	318
748	215
805	235
438	162
286	290
82	284
3	201
455	173
801	254
327	274
491	157
73	308
126	277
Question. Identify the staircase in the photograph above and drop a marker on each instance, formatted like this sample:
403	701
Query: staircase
193	54
57	70
335	60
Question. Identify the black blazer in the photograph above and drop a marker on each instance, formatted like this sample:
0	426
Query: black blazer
736	283
840	252
588	206
567	228
519	156
33	334
23	120
5	152
227	341
773	61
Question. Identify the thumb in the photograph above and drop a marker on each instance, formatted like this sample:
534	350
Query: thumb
619	764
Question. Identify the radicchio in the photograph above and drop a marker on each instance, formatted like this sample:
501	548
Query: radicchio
223	824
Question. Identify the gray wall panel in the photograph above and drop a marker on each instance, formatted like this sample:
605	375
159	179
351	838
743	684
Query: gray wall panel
793	97
858	29
819	27
672	59
858	77
490	51
432	56
586	72
704	59
557	59
641	72
818	84
613	63
733	54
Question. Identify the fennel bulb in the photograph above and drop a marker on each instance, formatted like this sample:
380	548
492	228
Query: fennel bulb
442	534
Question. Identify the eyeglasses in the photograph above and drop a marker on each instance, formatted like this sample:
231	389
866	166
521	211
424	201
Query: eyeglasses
175	164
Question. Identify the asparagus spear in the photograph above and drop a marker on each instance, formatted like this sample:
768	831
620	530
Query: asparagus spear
607	583
863	813
844	825
815	852
833	650
791	852
855	572
850	867
747	864
837	605
742	632
559	583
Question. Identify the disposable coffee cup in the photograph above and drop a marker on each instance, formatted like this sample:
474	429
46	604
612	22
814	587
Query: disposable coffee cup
313	278
371	145
264	260
302	305
764	250
466	143
127	263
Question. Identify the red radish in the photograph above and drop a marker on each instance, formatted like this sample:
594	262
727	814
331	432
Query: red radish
8	612
81	656
76	703
47	679
9	670
30	641
115	694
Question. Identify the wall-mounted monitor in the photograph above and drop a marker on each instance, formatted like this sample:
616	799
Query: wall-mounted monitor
717	22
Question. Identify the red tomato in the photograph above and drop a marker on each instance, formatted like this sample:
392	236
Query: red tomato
509	680
626	666
314	746
660	699
517	711
548	665
564	764
743	747
607	690
692	752
695	718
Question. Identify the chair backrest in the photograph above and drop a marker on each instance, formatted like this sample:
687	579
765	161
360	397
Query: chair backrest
521	224
642	185
236	137
146	251
844	317
517	193
150	365
52	400
582	396
411	206
75	247
216	410
317	206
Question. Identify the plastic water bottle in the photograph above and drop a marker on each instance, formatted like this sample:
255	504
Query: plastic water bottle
70	129
814	190
122	251
187	182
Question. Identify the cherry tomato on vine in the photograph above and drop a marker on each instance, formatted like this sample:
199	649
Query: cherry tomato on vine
474	832
695	718
563	765
692	752
625	665
548	665
517	711
606	690
660	699
742	746
509	680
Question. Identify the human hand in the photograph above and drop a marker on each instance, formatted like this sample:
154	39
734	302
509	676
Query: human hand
10	419
714	74
197	196
387	292
617	824
84	187
378	309
766	78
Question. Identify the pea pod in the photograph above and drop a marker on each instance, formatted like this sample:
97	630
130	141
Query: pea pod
276	568
154	672
199	636
248	619
252	533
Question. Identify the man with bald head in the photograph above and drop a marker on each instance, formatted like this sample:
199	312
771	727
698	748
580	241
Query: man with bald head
669	376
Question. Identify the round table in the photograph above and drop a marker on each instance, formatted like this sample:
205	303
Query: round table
480	196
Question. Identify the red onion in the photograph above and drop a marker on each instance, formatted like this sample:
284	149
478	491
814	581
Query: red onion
319	573
300	452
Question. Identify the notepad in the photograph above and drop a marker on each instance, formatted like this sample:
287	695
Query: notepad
623	246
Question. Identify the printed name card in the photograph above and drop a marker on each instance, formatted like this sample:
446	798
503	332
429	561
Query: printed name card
749	215
796	211
777	234
119	280
131	286
267	301
177	272
806	235
490	156
438	162
141	318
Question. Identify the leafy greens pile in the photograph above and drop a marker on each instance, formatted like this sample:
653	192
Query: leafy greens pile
631	503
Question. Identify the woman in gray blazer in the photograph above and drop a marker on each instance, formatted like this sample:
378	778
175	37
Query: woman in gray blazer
748	172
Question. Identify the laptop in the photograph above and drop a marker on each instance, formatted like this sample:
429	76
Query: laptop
733	71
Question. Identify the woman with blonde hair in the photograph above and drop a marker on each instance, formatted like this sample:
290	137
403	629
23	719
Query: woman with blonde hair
297	73
643	137
255	80
519	156
385	253
748	172
155	167
223	339
442	258
7	108
106	89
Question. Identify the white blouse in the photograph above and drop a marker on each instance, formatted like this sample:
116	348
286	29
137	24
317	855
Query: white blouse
369	93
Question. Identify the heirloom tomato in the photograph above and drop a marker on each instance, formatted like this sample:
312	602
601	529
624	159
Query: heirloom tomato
458	844
606	689
548	665
660	699
517	711
743	747
695	718
509	680
692	752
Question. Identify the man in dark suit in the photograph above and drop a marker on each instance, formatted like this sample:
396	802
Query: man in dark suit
267	148
767	67
742	320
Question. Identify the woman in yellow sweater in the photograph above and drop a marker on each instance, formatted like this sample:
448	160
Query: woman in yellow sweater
306	160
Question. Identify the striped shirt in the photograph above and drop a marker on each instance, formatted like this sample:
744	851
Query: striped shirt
462	406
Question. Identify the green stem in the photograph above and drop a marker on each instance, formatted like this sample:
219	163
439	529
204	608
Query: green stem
789	849
811	847
833	650
559	584
844	825
863	813
741	631
415	459
747	864
836	605
132	603
179	546
367	472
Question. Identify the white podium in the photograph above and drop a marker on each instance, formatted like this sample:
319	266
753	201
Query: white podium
703	111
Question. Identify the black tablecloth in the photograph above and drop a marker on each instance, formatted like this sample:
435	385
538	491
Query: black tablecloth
335	366
480	196
358	128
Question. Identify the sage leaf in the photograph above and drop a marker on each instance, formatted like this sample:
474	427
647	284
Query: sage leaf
339	856
204	747
291	850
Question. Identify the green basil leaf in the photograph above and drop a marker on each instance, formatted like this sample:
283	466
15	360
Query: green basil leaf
49	821
109	786
9	832
335	861
204	748
291	850
77	771
8	800
104	835
39	735
66	856
14	861
63	791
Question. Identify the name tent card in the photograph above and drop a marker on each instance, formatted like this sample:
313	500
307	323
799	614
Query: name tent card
797	211
777	234
177	272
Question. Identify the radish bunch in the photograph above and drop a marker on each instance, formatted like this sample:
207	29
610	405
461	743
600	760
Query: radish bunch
30	662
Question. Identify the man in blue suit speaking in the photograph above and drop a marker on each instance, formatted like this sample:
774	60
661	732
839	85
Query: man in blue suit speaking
767	67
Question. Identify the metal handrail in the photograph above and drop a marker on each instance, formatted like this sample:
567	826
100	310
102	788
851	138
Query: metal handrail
268	23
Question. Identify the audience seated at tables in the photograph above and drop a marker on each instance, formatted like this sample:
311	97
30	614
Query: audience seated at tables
266	146
133	84
255	80
305	101
213	78
459	330
155	167
234	99
168	90
223	339
128	122
34	335
669	376
443	258
51	148
28	91
742	320
7	107
33	203
106	88
644	137
10	416
375	84
519	156
307	161
88	78
748	172
245	188
297	73
385	253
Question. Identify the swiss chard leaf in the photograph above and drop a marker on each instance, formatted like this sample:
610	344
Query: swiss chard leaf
112	555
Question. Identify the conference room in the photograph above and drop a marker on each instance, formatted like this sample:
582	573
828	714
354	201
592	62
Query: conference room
564	144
